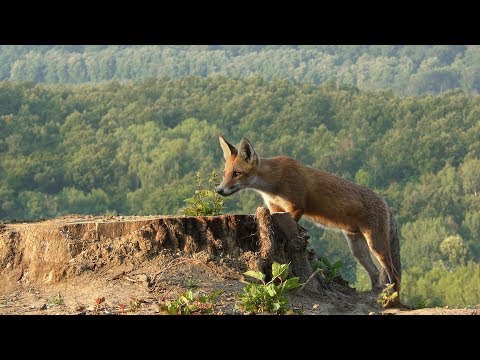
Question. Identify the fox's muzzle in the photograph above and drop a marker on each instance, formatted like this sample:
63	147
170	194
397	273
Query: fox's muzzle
228	191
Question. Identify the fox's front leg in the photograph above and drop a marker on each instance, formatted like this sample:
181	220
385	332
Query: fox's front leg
296	212
275	208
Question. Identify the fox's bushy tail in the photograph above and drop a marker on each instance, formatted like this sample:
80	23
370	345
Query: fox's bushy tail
395	252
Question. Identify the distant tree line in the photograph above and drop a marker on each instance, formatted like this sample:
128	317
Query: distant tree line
407	69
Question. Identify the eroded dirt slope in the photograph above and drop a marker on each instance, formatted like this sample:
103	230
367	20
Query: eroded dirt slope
131	265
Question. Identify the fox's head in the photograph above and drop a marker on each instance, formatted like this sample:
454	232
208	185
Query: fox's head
240	167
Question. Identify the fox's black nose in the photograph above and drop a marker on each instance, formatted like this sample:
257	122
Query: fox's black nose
220	191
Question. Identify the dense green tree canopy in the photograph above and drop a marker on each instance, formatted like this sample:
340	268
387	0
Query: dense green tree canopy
134	147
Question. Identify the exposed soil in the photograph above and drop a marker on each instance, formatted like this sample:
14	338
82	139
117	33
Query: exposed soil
131	265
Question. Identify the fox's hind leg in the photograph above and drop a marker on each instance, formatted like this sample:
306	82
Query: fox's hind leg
378	243
358	246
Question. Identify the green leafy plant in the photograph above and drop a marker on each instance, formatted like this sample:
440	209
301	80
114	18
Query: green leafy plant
134	304
330	271
204	202
191	283
388	296
267	297
189	304
57	300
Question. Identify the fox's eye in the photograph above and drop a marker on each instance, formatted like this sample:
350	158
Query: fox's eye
235	174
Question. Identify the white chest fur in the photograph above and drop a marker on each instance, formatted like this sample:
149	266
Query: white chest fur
274	199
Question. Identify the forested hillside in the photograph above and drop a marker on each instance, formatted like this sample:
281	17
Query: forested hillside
134	147
407	69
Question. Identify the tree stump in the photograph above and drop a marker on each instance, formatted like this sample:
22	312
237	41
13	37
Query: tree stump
50	250
284	241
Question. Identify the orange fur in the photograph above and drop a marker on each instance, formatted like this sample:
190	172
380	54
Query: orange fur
287	185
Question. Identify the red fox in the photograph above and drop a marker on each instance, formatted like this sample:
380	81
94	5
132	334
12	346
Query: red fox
329	200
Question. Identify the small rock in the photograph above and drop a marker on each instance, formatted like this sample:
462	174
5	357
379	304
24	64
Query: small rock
315	306
142	278
44	307
371	313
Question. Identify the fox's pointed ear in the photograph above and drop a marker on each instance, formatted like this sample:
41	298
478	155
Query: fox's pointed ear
247	152
228	149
